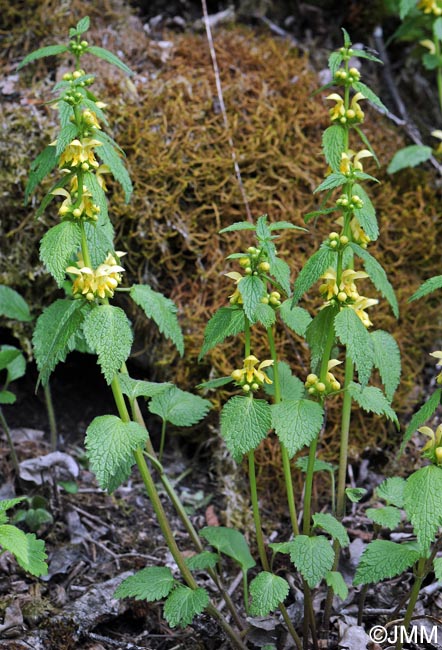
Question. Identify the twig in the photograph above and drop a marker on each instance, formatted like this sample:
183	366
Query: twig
223	109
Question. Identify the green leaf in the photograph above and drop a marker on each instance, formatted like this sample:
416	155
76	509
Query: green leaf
392	491
58	246
296	318
317	332
355	494
230	542
65	137
431	62
387	359
319	465
427	287
383	559
422	503
354	335
265	314
332	526
336	582
281	272
405	6
64	180
26	548
437	563
377	276
252	289
83	25
6	397
388	517
282	225
297	422
333	180
367	214
108	333
7	504
91	183
347	40
53	333
318	213
366	141
245	421
334	144
109	57
423	414
267	591
238	225
16	367
49	50
112	159
227	321
316	266
7	355
290	386
215	383
202	561
437	28
184	604
134	388
363	54
369	94
179	407
13	306
40	168
410	156
110	444
100	239
162	310
372	400
152	583
313	557
334	61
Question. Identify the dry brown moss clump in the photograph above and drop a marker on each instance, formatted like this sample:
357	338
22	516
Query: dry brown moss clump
168	121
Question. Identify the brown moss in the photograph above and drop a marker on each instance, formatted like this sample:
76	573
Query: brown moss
168	121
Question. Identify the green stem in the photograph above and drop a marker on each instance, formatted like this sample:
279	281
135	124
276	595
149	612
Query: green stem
256	514
245	588
14	458
438	71
345	430
284	453
162	518
51	416
84	247
414	594
163	439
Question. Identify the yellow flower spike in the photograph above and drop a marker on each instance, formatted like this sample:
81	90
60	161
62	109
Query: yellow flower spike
338	110
253	375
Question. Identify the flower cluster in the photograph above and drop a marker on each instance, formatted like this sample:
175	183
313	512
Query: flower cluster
320	388
339	113
251	378
346	293
433	448
430	7
96	283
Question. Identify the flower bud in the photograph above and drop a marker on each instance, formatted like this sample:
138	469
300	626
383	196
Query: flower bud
343	239
237	375
76	212
246	388
84	44
312	378
76	74
254	386
342	296
248	270
320	387
264	266
244	261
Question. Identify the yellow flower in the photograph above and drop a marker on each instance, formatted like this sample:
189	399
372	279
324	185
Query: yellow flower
438	355
438	134
430	7
253	375
354	106
86	207
91	120
360	305
332	382
358	234
100	282
80	152
235	298
329	288
347	285
352	161
433	448
338	110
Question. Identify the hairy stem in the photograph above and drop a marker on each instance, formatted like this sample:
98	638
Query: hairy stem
414	594
51	416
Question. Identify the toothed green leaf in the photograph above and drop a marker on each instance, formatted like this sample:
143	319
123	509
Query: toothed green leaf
26	548
383	559
312	556
109	57
151	584
202	561
422	415
227	321
334	144
335	580
252	289
110	444
387	359
316	266
108	333
372	400
410	156
377	276
392	491
245	421
427	287
183	604
13	306
134	388
163	312
388	517
230	542
49	50
58	246
40	168
332	526
354	335
296	318
297	423
422	503
112	159
290	386
179	407
267	591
